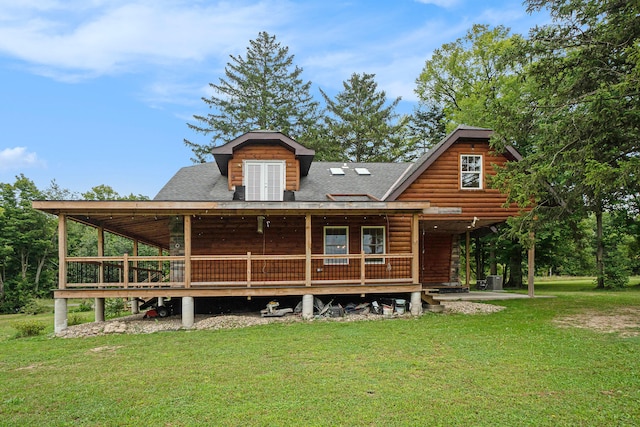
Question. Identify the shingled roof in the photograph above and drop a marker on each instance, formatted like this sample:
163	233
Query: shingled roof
204	182
385	181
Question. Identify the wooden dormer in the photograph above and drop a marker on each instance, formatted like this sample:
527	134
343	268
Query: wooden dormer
263	161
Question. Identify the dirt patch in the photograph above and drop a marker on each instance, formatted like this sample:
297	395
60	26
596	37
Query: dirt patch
624	321
136	324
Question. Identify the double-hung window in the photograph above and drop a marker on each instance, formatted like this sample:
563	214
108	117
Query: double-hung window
471	171
336	242
264	180
373	242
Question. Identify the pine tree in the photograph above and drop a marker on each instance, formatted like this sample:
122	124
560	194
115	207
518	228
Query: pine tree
362	128
262	91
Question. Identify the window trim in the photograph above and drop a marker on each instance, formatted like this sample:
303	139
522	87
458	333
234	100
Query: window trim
263	178
479	173
380	260
335	261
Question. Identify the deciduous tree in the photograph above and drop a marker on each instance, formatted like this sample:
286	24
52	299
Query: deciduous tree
584	85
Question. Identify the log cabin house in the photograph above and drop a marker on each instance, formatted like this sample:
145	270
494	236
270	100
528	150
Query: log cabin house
264	219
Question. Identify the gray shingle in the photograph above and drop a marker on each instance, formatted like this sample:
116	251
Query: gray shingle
203	182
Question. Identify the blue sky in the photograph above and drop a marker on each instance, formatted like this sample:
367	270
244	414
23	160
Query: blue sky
99	91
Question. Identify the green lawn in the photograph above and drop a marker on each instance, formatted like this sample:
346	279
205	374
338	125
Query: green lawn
515	367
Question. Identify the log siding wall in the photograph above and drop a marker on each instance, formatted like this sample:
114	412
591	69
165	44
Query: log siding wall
285	235
440	184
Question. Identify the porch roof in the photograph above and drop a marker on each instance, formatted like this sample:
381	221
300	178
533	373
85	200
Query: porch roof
148	220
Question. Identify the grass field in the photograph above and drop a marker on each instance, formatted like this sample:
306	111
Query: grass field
515	367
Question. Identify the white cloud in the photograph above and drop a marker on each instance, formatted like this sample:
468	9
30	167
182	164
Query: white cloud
396	61
18	158
440	3
100	37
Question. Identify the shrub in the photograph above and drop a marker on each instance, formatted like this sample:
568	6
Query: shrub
114	307
85	305
28	328
35	306
75	319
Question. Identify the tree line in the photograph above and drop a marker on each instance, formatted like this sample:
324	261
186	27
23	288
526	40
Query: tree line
566	96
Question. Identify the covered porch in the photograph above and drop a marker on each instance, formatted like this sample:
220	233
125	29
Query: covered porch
245	249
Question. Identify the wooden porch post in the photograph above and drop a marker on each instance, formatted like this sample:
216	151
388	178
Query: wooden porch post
307	299
101	253
133	302
416	297
415	248
467	258
62	251
135	263
531	264
60	304
98	303
187	251
307	250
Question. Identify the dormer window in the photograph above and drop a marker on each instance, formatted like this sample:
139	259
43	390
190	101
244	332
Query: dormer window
471	172
264	180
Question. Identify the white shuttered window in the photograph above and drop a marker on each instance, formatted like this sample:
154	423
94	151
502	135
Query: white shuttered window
264	180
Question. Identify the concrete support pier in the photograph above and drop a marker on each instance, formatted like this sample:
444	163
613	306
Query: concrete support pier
188	312
416	303
307	306
135	306
98	305
60	315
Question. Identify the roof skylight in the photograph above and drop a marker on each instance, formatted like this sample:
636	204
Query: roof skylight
362	171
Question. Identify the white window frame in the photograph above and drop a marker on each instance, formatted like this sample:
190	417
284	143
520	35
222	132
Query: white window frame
478	173
336	261
264	180
364	244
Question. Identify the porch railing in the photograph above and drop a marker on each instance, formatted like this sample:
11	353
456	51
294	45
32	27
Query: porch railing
248	270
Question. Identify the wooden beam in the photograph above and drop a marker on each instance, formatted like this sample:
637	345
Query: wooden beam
467	258
531	264
187	251
101	253
415	248
270	291
62	251
152	207
307	245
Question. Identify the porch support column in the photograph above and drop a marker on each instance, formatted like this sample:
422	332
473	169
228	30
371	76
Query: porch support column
531	264
101	254
133	301
415	248
307	251
98	308
62	251
416	303
467	258
187	251
60	304
307	306
188	312
60	315
98	303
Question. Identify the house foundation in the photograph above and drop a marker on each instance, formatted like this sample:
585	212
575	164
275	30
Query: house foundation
60	315
307	306
188	312
98	308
